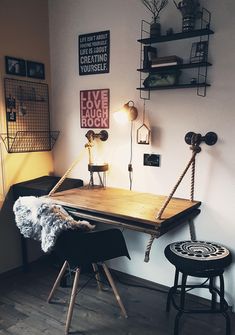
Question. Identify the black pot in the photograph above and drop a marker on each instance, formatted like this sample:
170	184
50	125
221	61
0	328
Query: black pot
155	29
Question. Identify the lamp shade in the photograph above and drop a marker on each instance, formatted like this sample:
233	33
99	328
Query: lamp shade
128	113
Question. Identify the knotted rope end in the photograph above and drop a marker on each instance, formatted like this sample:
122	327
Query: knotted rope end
146	258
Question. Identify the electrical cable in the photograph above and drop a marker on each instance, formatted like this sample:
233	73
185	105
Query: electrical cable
130	168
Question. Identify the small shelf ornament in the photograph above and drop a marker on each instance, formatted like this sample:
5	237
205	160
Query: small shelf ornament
143	132
155	7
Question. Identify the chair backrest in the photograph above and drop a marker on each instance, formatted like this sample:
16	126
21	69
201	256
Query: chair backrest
79	247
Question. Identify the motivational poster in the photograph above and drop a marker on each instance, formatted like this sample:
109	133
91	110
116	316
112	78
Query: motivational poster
94	108
94	50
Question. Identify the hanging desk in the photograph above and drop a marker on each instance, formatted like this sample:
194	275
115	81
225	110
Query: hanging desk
127	209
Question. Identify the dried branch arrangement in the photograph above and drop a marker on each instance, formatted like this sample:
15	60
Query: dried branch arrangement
155	7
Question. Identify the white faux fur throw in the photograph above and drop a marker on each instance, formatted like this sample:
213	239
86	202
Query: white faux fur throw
43	220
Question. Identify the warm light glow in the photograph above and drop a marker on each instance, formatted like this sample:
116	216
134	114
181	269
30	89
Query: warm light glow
121	116
127	113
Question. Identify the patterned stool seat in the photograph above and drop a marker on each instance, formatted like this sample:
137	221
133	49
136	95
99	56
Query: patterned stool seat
198	259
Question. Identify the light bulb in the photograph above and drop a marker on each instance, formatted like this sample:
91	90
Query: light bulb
121	116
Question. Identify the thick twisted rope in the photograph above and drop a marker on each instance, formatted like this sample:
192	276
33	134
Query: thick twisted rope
159	215
196	149
149	246
192	180
77	160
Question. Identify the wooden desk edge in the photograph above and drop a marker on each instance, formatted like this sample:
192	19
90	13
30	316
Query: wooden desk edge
136	226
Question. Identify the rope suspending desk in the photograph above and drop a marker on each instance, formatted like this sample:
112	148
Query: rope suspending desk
194	140
144	212
127	209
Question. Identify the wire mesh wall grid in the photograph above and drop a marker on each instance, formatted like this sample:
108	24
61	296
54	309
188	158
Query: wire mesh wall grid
27	117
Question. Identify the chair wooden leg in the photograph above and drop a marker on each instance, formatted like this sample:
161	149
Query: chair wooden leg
97	276
117	296
56	284
72	300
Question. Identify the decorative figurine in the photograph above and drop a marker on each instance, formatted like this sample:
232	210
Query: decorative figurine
190	11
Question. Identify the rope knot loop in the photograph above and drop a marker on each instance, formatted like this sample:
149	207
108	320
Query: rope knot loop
196	148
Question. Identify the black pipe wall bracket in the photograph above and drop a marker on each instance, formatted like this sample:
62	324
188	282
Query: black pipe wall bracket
192	138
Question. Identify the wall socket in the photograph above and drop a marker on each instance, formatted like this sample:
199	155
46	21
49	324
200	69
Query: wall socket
152	160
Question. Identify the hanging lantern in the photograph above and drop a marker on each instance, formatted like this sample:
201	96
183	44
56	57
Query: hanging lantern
143	132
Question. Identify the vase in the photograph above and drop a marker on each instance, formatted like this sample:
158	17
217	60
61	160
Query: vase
155	29
189	11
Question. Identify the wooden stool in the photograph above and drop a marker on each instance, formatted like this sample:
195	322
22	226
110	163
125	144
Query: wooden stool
198	259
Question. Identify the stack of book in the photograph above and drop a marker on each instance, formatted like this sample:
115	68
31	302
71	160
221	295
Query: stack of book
166	61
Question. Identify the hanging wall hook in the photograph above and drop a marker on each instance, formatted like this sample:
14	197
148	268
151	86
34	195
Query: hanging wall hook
210	138
102	135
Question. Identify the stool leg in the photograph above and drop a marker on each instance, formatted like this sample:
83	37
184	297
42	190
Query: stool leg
97	276
223	305
72	300
172	290
228	325
56	284
221	292
213	293
182	304
182	294
117	296
177	319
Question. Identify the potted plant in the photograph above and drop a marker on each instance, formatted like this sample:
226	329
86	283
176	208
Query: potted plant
155	7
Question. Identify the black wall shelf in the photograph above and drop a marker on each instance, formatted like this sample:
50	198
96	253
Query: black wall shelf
171	87
196	79
175	67
177	36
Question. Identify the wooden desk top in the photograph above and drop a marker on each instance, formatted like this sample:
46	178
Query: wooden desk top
128	207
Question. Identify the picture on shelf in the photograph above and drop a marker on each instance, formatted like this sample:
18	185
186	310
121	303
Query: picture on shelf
149	54
15	66
199	52
10	102
35	70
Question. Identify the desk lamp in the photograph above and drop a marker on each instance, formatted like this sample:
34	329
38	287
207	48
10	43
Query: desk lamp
127	113
96	168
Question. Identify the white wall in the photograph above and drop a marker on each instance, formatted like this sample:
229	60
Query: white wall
171	114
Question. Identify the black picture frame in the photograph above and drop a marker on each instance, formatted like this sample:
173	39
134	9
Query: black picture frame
15	66
35	70
199	52
94	53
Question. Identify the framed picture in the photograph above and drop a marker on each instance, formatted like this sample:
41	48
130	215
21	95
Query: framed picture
94	108
15	66
35	70
199	52
94	53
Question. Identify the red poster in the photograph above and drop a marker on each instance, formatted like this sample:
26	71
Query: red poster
94	108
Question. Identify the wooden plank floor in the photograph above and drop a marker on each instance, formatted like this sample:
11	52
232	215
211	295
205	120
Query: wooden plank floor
24	310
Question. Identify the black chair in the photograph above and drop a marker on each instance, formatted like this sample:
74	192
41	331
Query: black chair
76	249
203	260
